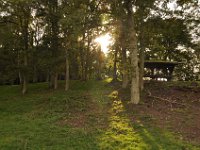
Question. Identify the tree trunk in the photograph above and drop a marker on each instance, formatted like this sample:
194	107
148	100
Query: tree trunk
25	33
87	57
142	55
123	36
51	80
55	85
35	77
99	63
47	77
20	78
99	71
54	19
82	56
135	88
19	72
24	85
67	73
115	67
84	66
25	80
125	80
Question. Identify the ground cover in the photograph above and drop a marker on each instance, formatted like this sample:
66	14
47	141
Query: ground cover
97	115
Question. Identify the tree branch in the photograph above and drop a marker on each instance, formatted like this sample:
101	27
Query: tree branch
165	100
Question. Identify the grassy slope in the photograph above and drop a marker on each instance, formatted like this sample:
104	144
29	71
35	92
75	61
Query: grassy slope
89	116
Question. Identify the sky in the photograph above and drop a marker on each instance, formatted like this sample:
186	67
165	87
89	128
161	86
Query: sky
105	41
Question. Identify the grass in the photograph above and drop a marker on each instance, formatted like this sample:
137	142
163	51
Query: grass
90	116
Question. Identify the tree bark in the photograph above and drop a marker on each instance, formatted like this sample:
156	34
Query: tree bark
142	55
99	63
66	73
35	77
54	39
83	57
25	80
25	33
20	78
123	35
47	77
51	80
115	67
55	81
125	80
135	88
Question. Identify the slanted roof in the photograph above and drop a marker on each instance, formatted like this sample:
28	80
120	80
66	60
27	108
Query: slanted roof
160	64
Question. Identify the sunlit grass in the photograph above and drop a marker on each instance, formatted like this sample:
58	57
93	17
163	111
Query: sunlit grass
120	134
124	134
43	119
108	80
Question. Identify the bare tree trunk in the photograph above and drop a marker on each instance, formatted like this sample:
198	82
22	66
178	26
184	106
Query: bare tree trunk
20	78
85	65
115	67
54	41
51	80
82	68
19	72
125	80
135	88
24	85
25	80
47	77
99	71
82	59
123	34
35	78
135	92
25	32
55	81
142	55
87	57
66	73
99	65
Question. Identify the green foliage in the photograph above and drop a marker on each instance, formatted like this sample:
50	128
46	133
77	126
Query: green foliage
54	27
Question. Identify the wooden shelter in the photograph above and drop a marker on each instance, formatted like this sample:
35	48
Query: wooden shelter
159	69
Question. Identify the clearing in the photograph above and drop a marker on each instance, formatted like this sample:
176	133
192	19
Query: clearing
97	115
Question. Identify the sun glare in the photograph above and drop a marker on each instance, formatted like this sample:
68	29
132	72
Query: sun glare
105	41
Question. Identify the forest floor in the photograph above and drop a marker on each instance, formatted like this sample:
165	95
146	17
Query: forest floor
98	115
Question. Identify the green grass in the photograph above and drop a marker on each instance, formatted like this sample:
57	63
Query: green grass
89	116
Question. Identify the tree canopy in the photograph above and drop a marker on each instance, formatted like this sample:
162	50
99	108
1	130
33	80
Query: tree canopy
51	40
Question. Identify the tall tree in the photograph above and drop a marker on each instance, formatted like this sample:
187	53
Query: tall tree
135	88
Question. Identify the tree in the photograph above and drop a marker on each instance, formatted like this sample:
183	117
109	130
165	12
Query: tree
123	12
135	90
19	13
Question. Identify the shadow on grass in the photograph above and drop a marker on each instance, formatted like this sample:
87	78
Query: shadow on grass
89	116
126	133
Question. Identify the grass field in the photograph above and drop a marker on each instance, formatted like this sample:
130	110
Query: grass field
90	116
